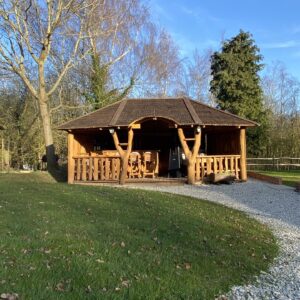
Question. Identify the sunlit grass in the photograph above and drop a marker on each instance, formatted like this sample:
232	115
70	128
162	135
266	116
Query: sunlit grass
61	241
288	177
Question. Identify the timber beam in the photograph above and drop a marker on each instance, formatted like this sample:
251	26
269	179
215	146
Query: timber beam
124	153
243	161
190	154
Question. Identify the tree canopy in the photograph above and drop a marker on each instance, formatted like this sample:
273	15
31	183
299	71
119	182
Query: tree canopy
235	76
236	84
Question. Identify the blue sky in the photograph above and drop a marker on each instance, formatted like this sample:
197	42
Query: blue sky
275	25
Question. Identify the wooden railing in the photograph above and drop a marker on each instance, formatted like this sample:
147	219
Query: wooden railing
97	168
107	167
217	164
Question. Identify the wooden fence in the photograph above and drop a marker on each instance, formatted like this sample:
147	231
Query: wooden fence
217	164
273	163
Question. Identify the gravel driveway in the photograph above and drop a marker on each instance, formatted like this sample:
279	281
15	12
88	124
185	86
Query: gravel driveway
279	208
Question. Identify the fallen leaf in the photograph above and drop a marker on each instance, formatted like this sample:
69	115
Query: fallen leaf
60	287
125	283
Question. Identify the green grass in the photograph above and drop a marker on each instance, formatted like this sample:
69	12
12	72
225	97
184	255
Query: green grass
289	178
77	242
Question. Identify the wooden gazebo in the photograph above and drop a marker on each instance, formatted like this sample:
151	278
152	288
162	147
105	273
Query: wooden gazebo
135	139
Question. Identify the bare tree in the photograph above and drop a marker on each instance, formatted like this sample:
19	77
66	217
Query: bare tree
282	98
199	75
40	40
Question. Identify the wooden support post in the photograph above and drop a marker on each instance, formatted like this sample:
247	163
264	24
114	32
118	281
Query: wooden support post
243	167
190	155
71	162
124	154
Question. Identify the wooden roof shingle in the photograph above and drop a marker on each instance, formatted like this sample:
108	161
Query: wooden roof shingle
183	111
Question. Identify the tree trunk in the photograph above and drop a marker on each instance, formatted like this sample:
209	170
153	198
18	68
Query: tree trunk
191	172
124	169
45	116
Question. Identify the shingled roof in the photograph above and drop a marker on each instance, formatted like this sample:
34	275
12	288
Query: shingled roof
182	111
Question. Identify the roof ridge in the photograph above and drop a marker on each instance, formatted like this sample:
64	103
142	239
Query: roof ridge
191	110
226	112
118	112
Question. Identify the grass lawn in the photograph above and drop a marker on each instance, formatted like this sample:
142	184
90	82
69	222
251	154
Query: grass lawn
288	177
60	241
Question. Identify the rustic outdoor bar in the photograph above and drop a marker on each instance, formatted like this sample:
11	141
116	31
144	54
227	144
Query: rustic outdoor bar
150	139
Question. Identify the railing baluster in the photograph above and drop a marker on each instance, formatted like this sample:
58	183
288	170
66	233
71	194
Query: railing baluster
90	172
237	168
113	169
226	164
96	161
198	161
208	168
107	171
221	164
83	175
79	169
202	168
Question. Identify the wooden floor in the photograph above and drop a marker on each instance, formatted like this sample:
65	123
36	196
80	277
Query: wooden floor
158	180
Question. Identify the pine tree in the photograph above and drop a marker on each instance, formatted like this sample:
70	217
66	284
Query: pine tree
236	84
100	94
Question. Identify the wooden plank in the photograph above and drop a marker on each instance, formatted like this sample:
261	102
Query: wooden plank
107	170
226	164
79	177
118	167
102	167
113	168
96	162
215	165
198	161
221	164
243	154
237	168
84	169
90	169
71	162
136	126
202	169
208	163
232	164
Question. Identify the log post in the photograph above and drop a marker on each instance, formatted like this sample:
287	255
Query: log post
190	154
243	167
124	154
71	164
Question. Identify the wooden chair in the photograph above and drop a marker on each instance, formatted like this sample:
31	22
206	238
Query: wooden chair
150	164
135	165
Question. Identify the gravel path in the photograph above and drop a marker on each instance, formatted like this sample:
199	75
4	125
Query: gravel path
276	206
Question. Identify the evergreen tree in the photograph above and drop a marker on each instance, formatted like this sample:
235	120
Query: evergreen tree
100	93
236	84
